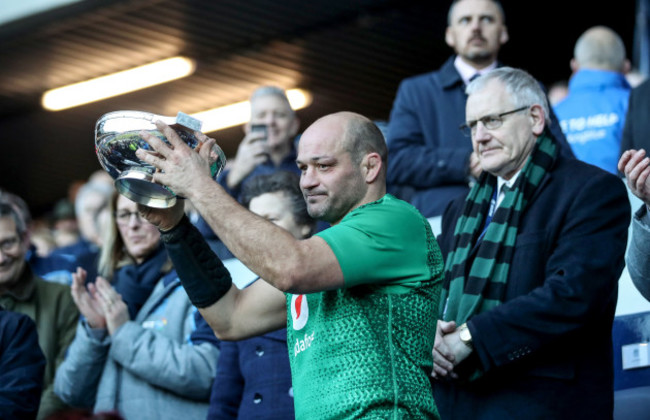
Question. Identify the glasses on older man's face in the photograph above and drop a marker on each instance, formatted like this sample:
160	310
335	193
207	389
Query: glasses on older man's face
490	122
123	217
10	244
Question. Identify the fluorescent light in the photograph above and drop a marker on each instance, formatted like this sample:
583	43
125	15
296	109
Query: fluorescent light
117	83
240	112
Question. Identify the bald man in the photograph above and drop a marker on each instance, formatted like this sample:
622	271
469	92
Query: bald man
357	298
592	116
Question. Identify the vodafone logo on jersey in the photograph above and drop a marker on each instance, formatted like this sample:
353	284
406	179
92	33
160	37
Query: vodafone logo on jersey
299	311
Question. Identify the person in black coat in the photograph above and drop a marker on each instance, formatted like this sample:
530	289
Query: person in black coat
22	365
636	133
533	257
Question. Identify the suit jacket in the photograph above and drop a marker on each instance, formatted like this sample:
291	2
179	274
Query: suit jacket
547	350
253	379
51	307
636	133
428	155
638	256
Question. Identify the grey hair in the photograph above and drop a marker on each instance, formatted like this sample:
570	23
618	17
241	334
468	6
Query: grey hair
523	89
497	3
601	48
8	209
271	91
21	214
89	188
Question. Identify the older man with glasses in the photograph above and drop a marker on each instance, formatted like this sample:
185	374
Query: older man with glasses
46	303
533	255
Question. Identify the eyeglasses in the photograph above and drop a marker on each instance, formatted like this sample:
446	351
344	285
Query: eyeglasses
124	217
490	122
9	245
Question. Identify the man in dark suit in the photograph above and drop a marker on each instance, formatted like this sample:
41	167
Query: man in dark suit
635	167
636	133
431	163
533	256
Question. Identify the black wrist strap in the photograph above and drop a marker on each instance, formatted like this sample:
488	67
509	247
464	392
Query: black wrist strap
201	272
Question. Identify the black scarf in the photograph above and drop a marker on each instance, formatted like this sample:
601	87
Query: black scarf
136	282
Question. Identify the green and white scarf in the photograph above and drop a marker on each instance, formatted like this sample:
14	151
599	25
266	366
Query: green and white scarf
475	285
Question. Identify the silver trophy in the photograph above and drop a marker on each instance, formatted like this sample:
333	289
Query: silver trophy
116	140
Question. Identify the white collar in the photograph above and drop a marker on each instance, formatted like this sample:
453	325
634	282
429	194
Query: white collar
510	182
466	71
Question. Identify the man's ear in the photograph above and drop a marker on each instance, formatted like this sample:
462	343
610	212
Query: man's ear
538	119
295	126
25	239
449	38
627	67
504	37
371	166
246	128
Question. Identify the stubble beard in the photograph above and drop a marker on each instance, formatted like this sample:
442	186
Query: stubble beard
482	57
318	211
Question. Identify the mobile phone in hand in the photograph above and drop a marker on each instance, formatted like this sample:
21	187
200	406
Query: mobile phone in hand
259	128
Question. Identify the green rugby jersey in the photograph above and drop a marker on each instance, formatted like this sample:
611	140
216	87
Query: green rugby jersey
364	351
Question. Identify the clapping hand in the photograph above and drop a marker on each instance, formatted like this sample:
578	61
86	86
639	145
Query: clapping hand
636	167
86	299
115	310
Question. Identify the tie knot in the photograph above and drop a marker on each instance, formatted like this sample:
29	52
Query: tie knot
504	190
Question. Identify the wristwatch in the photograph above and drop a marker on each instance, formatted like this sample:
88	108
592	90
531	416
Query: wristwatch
465	336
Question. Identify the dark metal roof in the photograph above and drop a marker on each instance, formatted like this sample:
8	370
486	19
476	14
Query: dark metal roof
350	54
